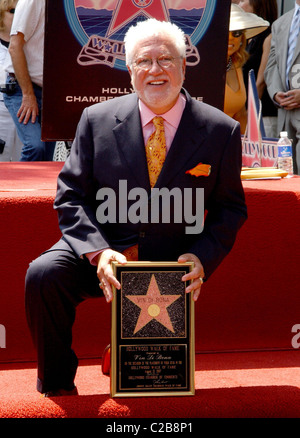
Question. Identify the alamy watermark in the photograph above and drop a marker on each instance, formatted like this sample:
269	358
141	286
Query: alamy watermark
296	337
163	206
2	336
295	83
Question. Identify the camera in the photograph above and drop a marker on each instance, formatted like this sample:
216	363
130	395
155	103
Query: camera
2	144
9	88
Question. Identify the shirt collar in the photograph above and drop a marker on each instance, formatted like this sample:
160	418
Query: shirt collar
172	116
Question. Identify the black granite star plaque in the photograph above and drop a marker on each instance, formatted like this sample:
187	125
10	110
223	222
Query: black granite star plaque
152	340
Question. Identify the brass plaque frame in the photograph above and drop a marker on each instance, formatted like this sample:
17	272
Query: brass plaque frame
152	333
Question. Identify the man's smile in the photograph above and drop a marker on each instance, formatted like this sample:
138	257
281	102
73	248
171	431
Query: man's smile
157	83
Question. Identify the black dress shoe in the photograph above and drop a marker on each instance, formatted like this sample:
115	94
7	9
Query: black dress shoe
61	392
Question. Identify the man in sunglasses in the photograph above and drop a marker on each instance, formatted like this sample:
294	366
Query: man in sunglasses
25	78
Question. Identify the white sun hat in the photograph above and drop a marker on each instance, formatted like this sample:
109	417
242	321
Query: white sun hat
252	24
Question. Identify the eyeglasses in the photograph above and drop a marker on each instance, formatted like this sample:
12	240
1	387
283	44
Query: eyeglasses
237	33
164	61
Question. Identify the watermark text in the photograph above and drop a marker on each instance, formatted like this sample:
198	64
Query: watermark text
296	337
2	336
163	206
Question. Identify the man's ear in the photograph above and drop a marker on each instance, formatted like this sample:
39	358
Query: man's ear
184	67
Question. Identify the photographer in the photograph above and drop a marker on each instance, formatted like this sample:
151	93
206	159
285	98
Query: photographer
24	67
10	145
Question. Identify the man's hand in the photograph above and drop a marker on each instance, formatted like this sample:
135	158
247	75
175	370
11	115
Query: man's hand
105	272
107	278
288	100
196	274
28	109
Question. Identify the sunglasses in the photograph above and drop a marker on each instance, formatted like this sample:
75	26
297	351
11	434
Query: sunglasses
237	33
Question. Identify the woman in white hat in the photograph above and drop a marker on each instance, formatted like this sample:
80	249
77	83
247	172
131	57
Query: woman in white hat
243	26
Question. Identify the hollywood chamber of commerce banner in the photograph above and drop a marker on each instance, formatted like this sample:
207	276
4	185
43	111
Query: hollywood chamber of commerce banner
84	60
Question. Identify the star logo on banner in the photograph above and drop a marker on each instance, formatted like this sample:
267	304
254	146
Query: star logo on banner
128	10
153	305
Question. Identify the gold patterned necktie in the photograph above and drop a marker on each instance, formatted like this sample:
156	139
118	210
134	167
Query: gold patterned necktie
156	150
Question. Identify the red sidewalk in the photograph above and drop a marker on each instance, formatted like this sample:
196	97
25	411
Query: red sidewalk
249	305
233	385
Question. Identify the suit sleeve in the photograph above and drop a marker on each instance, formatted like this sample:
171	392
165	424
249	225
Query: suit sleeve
75	200
272	75
226	209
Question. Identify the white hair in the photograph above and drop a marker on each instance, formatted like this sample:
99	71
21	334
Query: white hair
149	28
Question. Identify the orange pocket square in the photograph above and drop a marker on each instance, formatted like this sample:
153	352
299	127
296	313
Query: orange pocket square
200	170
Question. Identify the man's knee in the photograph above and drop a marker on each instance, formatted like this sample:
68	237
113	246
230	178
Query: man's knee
33	151
33	286
34	273
42	271
59	273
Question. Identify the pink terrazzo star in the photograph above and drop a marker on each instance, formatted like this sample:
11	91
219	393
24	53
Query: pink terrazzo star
153	305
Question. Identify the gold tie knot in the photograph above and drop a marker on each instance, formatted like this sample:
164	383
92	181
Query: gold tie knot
158	122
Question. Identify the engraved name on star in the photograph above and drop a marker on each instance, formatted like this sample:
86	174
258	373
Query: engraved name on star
153	305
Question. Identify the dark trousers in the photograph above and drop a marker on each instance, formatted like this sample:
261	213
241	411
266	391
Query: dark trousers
56	282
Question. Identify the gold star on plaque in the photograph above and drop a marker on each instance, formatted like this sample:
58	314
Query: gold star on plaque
153	305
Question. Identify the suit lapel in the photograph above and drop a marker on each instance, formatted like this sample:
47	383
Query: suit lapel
130	141
188	138
297	50
284	39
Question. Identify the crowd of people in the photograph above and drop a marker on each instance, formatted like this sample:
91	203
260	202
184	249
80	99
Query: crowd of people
273	53
258	40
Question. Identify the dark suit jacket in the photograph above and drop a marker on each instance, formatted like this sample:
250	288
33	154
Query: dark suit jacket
109	147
